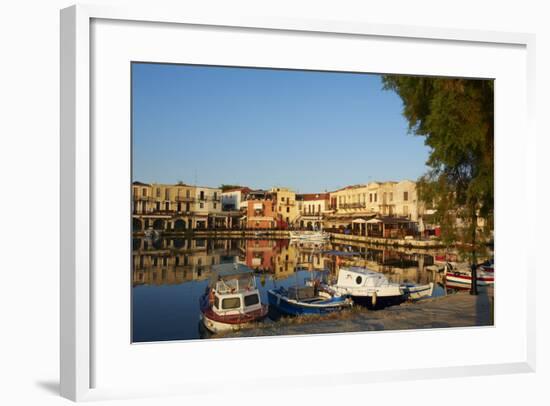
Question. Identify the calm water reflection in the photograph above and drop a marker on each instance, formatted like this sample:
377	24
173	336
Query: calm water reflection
170	274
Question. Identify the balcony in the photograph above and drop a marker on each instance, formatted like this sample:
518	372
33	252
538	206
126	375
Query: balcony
186	199
356	205
209	199
143	198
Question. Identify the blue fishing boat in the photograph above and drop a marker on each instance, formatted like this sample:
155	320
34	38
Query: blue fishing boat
298	300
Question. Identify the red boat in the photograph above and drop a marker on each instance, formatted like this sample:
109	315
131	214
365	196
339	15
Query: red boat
231	301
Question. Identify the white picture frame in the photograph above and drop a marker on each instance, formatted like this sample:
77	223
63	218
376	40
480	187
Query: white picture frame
77	282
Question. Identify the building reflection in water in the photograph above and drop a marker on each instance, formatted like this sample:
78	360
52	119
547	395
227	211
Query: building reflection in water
170	261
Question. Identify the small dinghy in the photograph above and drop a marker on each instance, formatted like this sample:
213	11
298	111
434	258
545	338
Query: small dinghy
231	301
298	300
416	292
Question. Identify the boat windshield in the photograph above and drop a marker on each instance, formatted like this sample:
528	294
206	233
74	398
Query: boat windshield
235	284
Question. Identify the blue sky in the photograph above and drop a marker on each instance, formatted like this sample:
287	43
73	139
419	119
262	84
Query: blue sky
311	131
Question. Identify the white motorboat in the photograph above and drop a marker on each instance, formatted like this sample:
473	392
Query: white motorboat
368	287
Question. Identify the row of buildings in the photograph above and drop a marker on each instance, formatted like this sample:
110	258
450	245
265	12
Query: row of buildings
181	207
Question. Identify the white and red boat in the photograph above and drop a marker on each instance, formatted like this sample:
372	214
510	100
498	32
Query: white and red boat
231	301
462	277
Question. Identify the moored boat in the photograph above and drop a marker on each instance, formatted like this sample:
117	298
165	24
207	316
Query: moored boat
231	301
300	300
368	287
485	275
415	292
463	278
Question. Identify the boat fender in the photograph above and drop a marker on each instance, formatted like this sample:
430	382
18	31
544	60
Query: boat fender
374	297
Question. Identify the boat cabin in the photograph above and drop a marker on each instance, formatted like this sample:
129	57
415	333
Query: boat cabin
233	291
356	277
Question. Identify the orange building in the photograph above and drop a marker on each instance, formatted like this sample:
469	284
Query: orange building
260	213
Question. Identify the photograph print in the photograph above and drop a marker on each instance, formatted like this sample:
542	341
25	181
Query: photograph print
271	202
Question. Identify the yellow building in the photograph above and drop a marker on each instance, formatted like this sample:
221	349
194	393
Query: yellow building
285	205
176	207
374	199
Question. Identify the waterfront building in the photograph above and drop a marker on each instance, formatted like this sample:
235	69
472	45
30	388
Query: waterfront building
261	212
286	208
176	207
312	208
366	201
404	201
163	206
234	206
234	199
208	208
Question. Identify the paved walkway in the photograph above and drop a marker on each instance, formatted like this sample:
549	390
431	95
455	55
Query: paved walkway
454	310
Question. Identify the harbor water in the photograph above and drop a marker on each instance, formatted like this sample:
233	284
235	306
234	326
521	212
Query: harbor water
170	274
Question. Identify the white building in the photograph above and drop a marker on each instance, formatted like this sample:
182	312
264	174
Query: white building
234	199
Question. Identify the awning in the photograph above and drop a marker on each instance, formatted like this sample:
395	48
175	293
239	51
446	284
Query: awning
360	221
373	221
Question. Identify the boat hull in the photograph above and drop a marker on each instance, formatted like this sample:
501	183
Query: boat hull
380	302
215	326
291	307
416	292
466	280
216	323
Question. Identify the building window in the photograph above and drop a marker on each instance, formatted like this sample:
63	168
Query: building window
158	192
370	197
375	197
405	210
166	194
201	205
405	196
288	209
214	205
187	193
391	196
144	192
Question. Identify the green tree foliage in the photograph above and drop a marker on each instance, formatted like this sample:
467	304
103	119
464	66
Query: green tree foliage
456	118
228	187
